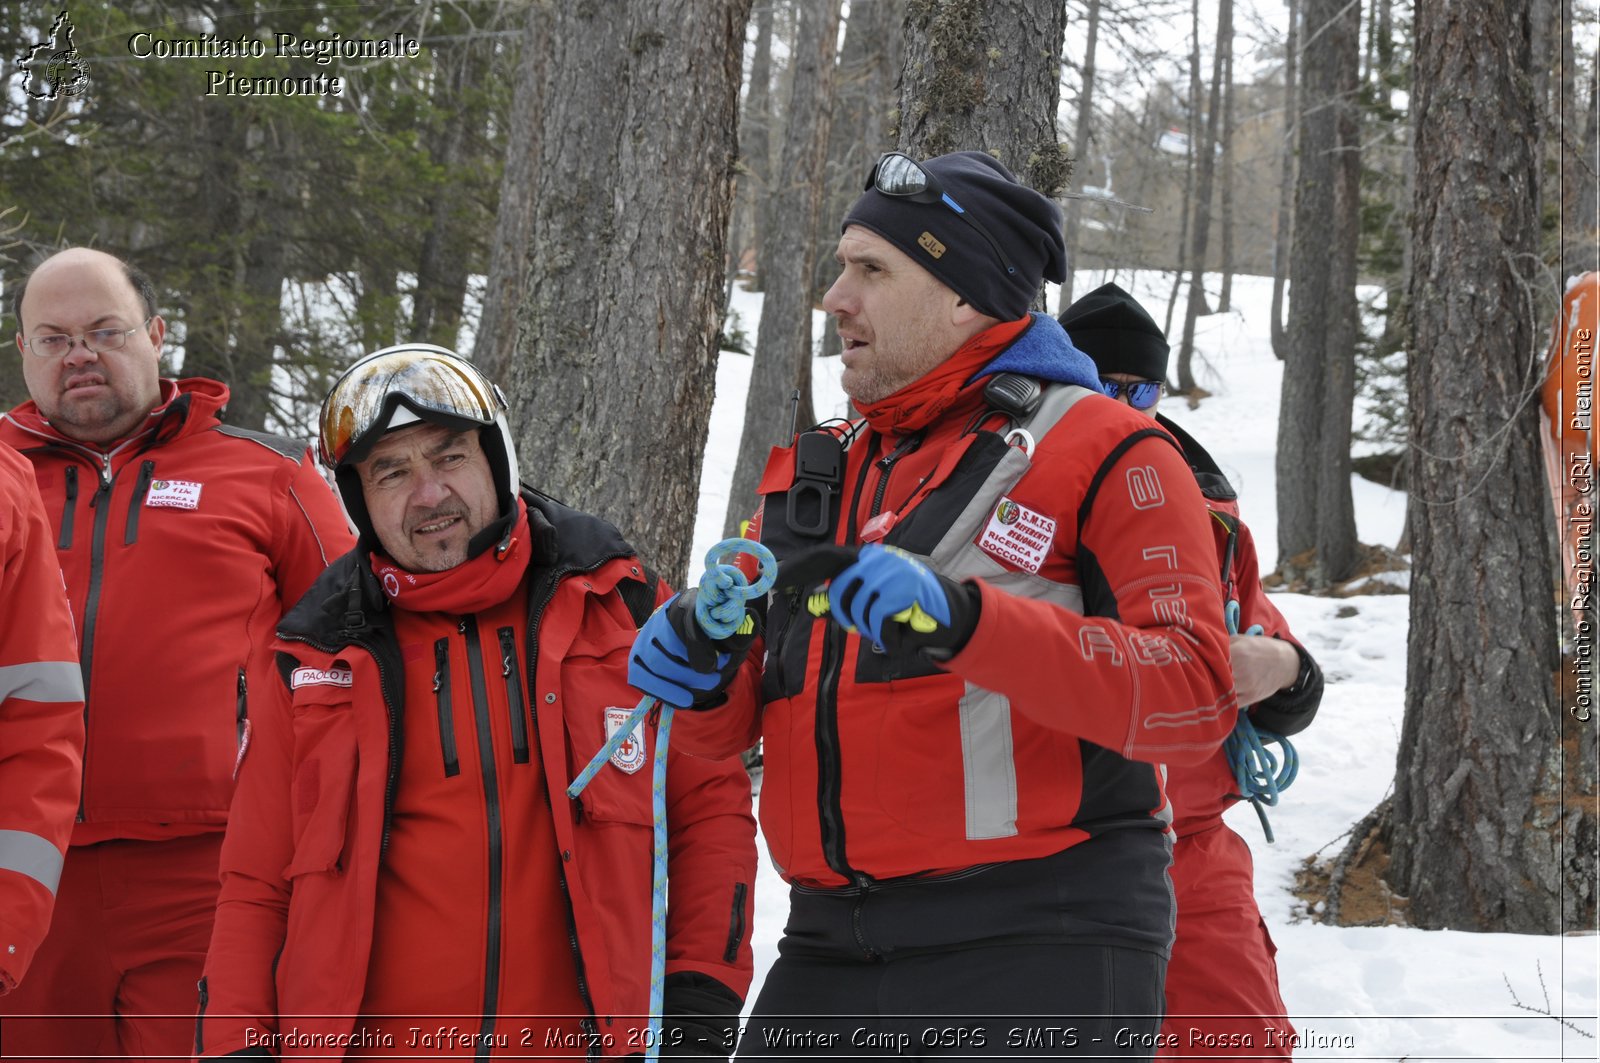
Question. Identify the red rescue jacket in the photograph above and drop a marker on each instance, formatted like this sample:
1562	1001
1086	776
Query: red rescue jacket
41	720
182	545
1100	651
1201	792
310	827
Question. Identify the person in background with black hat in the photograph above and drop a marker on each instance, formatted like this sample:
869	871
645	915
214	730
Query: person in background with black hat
997	614
1222	983
404	874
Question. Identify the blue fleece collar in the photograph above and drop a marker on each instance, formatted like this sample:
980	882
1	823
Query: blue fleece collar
1044	351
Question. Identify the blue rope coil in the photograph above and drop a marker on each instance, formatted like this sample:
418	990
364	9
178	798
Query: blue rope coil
719	610
1260	775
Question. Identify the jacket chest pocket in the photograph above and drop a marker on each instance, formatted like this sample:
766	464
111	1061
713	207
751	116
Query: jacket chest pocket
598	701
322	793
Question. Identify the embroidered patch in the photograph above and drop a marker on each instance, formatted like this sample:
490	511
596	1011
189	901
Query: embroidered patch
630	755
931	244
1018	536
321	677
174	494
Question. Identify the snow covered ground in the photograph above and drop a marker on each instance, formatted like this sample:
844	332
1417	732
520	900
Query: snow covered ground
1358	994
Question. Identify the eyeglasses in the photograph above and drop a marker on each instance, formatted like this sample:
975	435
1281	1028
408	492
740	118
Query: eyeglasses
903	177
97	340
1142	394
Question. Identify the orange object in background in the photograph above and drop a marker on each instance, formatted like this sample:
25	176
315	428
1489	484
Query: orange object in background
1568	437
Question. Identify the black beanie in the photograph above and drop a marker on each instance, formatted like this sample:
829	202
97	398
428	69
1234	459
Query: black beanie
1111	327
1025	224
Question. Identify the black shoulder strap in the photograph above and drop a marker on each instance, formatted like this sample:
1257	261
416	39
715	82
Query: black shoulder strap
639	595
1104	470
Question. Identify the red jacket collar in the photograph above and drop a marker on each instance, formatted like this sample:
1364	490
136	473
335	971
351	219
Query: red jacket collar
190	405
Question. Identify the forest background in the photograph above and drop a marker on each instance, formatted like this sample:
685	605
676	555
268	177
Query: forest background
570	191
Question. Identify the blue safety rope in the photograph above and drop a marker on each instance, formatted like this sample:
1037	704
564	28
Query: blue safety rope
719	610
1260	775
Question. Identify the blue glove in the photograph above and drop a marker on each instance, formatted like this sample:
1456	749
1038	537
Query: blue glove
675	661
885	583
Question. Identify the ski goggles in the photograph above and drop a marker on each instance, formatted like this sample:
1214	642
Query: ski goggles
903	177
401	385
1142	394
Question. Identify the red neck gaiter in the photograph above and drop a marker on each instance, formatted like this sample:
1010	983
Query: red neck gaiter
920	402
472	586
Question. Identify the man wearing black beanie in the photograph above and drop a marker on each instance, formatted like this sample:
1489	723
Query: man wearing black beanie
996	616
1222	980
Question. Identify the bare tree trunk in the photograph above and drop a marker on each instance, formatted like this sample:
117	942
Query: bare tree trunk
1206	167
1284	223
1579	239
1300	423
755	155
1336	511
617	334
1186	215
513	224
1479	836
783	342
863	97
985	77
1080	149
1225	161
441	290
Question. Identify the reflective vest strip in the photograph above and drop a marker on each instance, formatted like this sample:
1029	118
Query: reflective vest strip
42	681
31	855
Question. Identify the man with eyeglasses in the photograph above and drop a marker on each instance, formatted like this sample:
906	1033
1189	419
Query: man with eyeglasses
1222	983
997	615
182	540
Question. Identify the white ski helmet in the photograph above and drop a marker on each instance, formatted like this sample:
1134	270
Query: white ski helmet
403	385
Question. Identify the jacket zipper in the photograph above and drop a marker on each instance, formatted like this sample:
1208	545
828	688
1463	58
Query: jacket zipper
141	488
70	508
491	796
830	785
513	677
242	710
101	503
441	697
736	926
200	1018
536	605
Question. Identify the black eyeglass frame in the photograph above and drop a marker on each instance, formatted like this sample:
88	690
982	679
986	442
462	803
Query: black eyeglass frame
1112	388
932	192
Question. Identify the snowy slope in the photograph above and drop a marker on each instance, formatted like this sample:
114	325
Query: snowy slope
1383	994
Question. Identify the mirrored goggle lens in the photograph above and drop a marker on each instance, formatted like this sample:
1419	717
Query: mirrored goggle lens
1141	395
365	398
898	175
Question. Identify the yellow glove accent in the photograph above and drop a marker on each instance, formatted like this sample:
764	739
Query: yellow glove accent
746	626
920	621
817	604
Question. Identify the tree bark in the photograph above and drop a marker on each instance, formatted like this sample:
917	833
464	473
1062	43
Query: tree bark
513	225
783	341
1284	222
1186	215
979	76
863	100
755	155
441	290
1205	174
1080	148
1225	180
1478	836
1316	530
617	332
